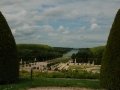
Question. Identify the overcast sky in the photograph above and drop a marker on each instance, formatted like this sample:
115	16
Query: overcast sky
66	23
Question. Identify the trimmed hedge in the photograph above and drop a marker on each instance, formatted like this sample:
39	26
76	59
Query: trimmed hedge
110	69
9	64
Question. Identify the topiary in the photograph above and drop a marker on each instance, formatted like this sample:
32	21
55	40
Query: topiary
9	64
110	69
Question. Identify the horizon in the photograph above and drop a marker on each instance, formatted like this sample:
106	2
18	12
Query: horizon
57	46
60	23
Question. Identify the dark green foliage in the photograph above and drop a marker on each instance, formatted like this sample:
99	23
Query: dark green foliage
73	57
28	52
62	50
110	70
97	54
86	55
83	56
34	47
9	65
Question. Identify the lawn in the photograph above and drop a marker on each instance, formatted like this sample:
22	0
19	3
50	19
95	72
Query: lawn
25	83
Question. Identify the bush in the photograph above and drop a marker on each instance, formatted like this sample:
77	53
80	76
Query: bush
110	70
78	74
9	65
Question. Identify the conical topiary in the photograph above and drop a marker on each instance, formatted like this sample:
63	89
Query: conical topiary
9	65
110	69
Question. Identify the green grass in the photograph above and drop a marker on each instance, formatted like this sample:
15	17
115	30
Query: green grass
76	74
24	84
68	74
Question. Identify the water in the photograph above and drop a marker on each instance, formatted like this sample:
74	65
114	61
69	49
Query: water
69	54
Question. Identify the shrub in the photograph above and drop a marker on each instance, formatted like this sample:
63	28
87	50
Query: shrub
110	70
9	65
78	74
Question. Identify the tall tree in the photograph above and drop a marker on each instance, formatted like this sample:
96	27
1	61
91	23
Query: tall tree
110	69
9	65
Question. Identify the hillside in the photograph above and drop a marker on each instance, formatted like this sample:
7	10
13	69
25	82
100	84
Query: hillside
39	52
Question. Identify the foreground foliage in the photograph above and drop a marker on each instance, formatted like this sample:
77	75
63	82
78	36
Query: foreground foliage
110	70
9	65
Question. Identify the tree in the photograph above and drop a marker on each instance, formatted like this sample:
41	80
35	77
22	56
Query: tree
84	55
73	57
110	69
97	54
9	64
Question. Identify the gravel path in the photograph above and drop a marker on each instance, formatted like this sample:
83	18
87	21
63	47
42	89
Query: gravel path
59	88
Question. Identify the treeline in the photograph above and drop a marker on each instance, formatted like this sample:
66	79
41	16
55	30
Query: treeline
62	50
39	52
90	55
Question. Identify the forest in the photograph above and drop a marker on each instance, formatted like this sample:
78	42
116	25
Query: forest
89	55
39	52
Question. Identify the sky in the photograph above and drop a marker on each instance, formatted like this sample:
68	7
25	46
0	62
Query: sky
60	23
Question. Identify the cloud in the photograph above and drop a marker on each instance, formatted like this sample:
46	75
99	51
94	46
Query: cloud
63	30
72	23
47	28
94	26
73	10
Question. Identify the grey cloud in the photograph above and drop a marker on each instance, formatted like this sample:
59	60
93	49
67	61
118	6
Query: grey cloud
30	21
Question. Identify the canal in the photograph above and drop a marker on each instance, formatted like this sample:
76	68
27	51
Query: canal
69	54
